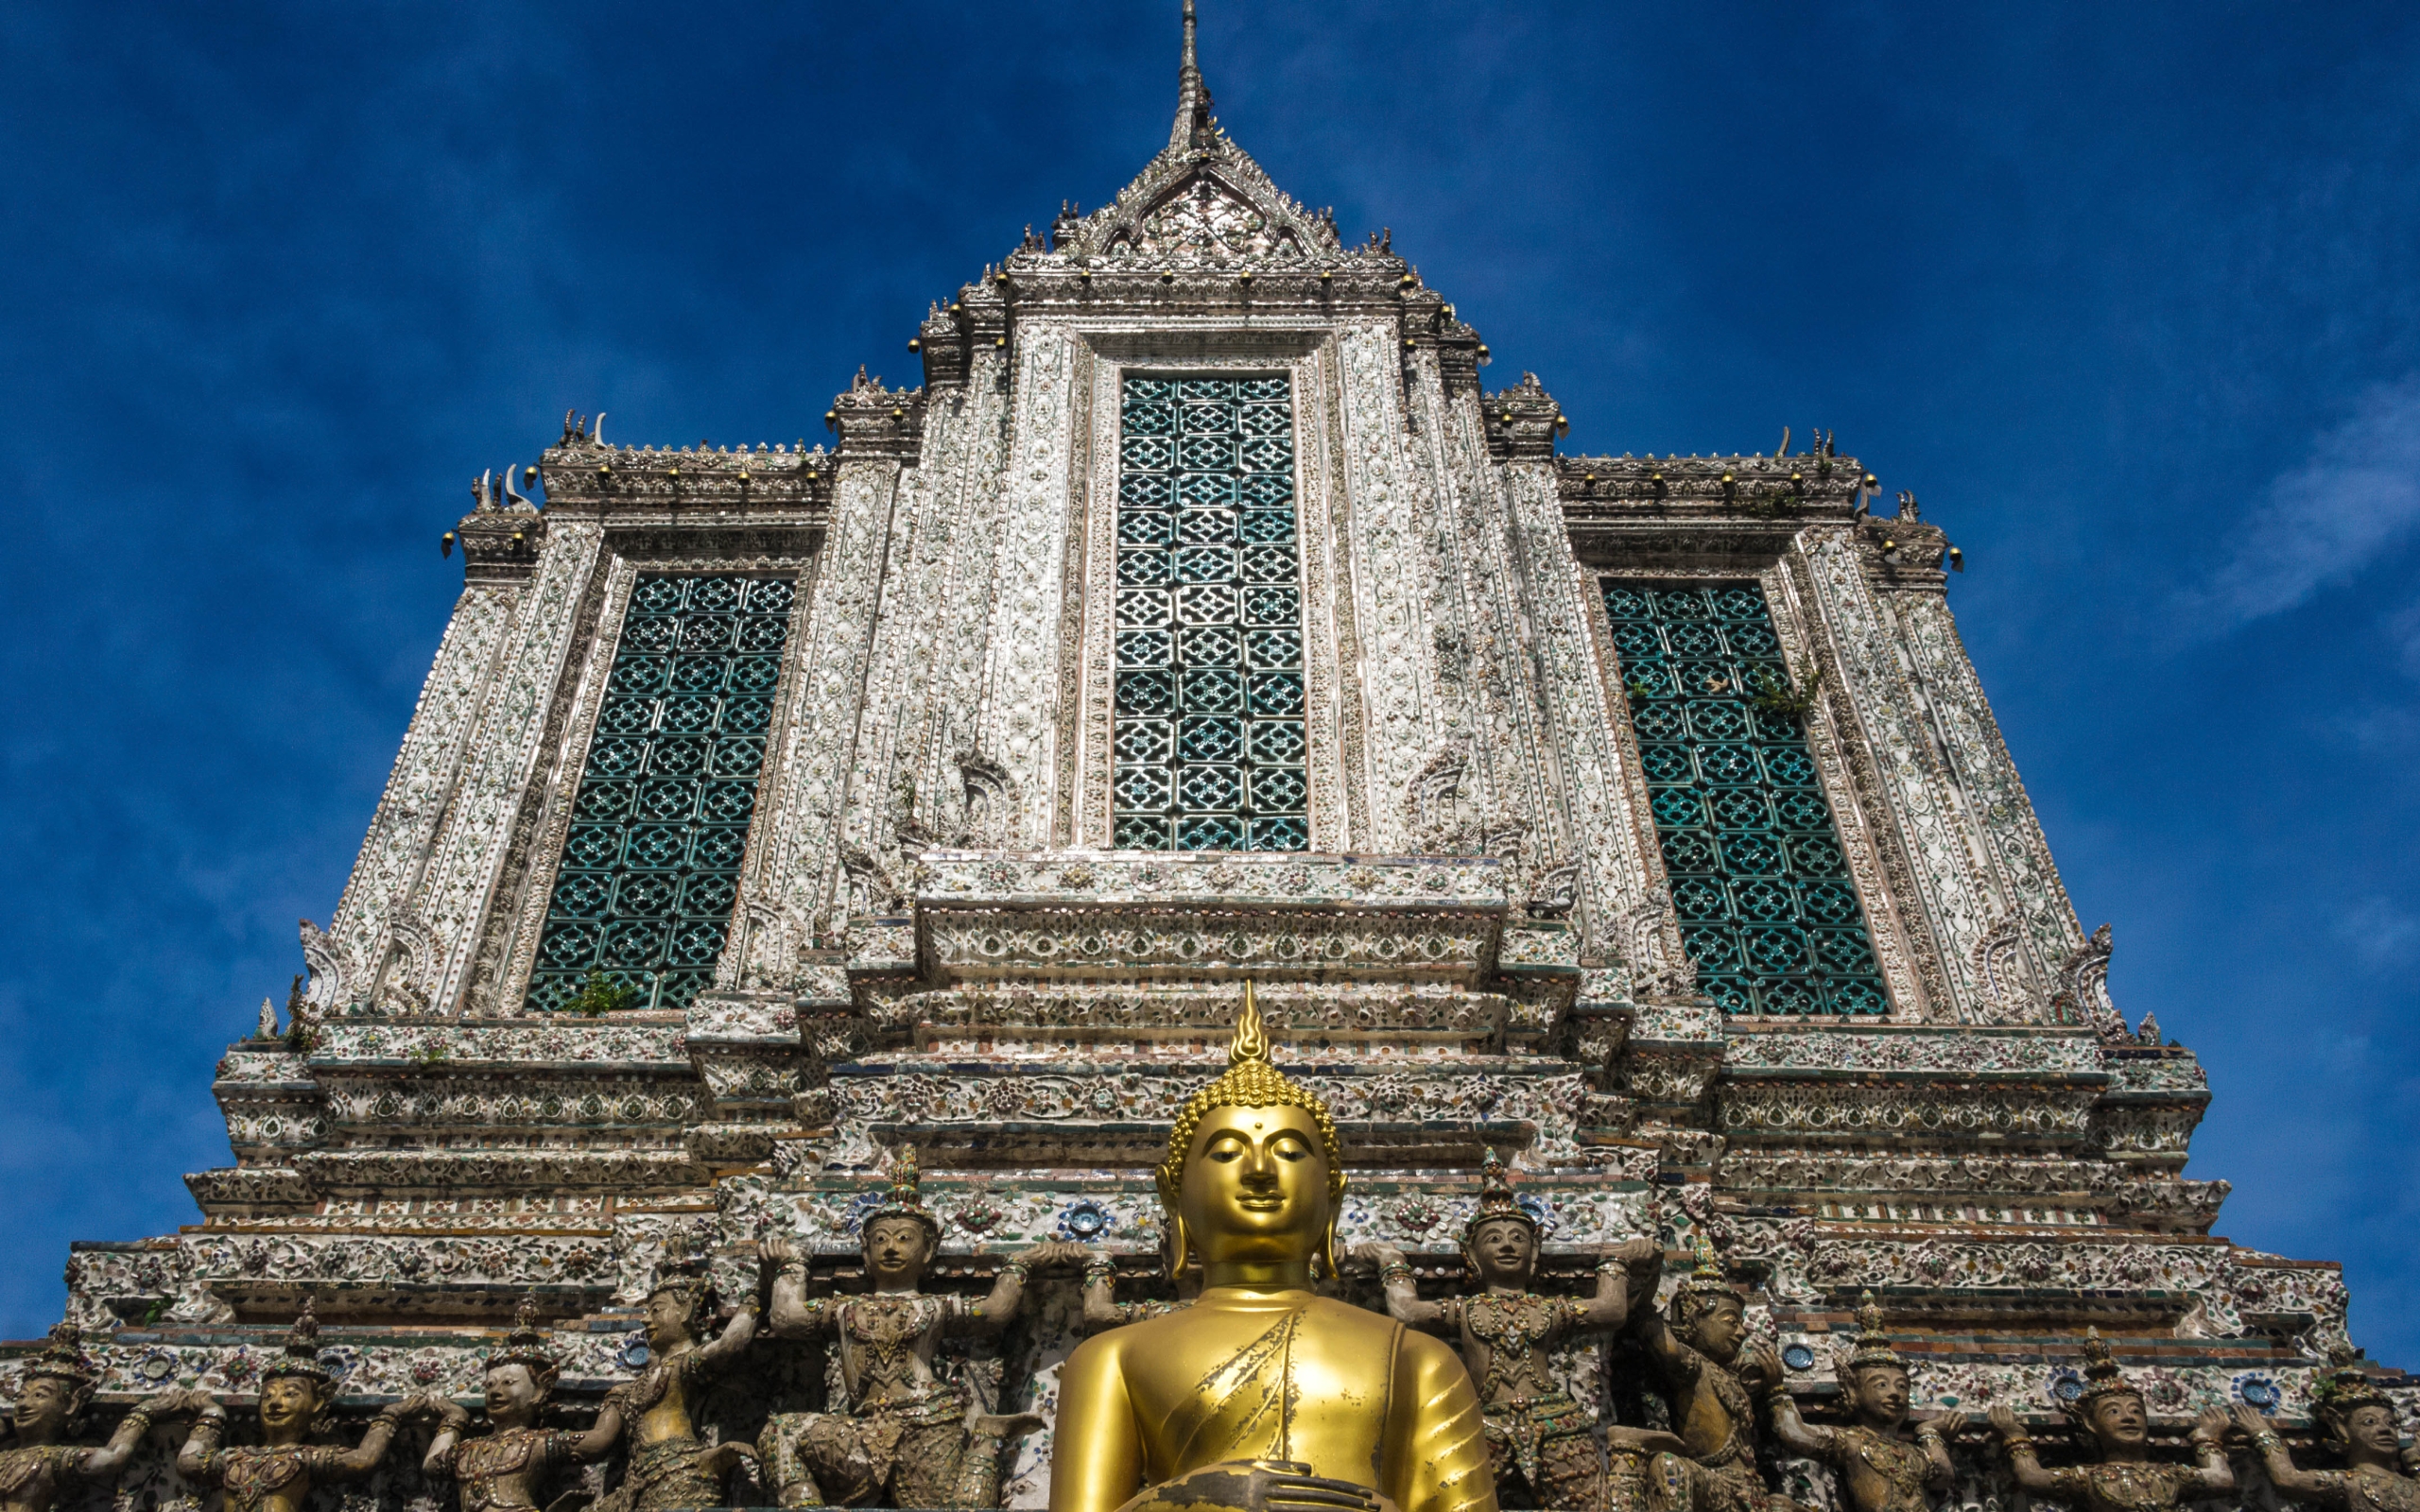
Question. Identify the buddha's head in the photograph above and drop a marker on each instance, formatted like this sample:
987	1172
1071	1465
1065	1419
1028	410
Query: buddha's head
2109	1408
900	1238
1500	1241
1872	1377
522	1374
57	1384
296	1390
1254	1171
1707	1314
2355	1415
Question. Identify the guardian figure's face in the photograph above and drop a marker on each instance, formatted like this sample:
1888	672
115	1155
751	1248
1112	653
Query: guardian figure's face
897	1250
1502	1252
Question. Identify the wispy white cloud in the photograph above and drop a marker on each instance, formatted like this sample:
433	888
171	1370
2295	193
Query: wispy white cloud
2380	929
2358	492
2403	628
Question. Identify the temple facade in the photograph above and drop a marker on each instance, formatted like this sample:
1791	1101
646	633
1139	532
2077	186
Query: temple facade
1203	615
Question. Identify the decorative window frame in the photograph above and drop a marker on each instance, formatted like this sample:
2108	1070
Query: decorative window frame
570	761
1332	715
1866	836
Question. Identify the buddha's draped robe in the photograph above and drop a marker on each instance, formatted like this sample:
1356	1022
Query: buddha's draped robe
1283	1376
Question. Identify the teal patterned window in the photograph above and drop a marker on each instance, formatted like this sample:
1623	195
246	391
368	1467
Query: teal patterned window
1766	905
1209	740
650	865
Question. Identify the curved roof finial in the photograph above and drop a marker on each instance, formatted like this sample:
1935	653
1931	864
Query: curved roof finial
1193	127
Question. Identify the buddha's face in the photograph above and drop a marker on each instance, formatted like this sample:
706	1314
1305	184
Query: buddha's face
667	1320
43	1409
1255	1187
896	1251
1878	1395
1503	1251
2118	1418
1719	1327
2371	1434
513	1393
287	1405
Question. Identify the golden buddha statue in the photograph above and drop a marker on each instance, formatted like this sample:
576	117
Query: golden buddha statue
1262	1396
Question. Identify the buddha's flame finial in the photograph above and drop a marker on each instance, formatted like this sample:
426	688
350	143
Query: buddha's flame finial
1251	1035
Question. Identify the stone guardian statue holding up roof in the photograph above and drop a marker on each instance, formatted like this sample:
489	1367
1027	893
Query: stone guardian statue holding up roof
907	1438
1537	1434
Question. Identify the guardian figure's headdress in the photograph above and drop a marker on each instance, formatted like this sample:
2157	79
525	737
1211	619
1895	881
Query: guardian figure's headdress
2101	1378
301	1356
1496	1201
907	1198
62	1359
2344	1388
1873	1346
527	1344
1705	1289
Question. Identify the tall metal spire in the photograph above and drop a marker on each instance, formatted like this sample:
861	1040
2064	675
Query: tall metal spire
1192	97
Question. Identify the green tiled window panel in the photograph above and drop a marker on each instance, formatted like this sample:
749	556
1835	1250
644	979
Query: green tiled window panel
650	863
1209	742
1766	905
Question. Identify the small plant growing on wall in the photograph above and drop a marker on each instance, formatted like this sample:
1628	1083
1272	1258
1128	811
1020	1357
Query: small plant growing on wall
1776	696
598	994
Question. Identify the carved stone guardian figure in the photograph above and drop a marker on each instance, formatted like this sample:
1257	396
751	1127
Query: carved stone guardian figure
504	1471
2112	1412
2359	1420
296	1394
1880	1468
1262	1394
670	1465
1695	1348
1538	1437
39	1466
906	1437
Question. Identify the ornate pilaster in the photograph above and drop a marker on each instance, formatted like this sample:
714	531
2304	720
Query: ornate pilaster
1020	707
1910	767
1391	581
426	956
788	894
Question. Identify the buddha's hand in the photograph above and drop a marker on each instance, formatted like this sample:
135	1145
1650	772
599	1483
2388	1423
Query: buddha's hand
1257	1486
1944	1423
2005	1420
777	1248
2248	1418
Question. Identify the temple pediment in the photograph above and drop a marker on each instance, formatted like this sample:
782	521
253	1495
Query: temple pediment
1204	206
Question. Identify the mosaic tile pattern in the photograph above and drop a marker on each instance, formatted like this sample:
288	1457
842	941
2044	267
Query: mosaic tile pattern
1209	737
650	865
1767	909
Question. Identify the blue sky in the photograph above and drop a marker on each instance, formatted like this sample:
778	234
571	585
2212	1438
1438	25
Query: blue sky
2129	295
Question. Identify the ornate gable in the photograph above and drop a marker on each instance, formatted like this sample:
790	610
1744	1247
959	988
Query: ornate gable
1202	201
